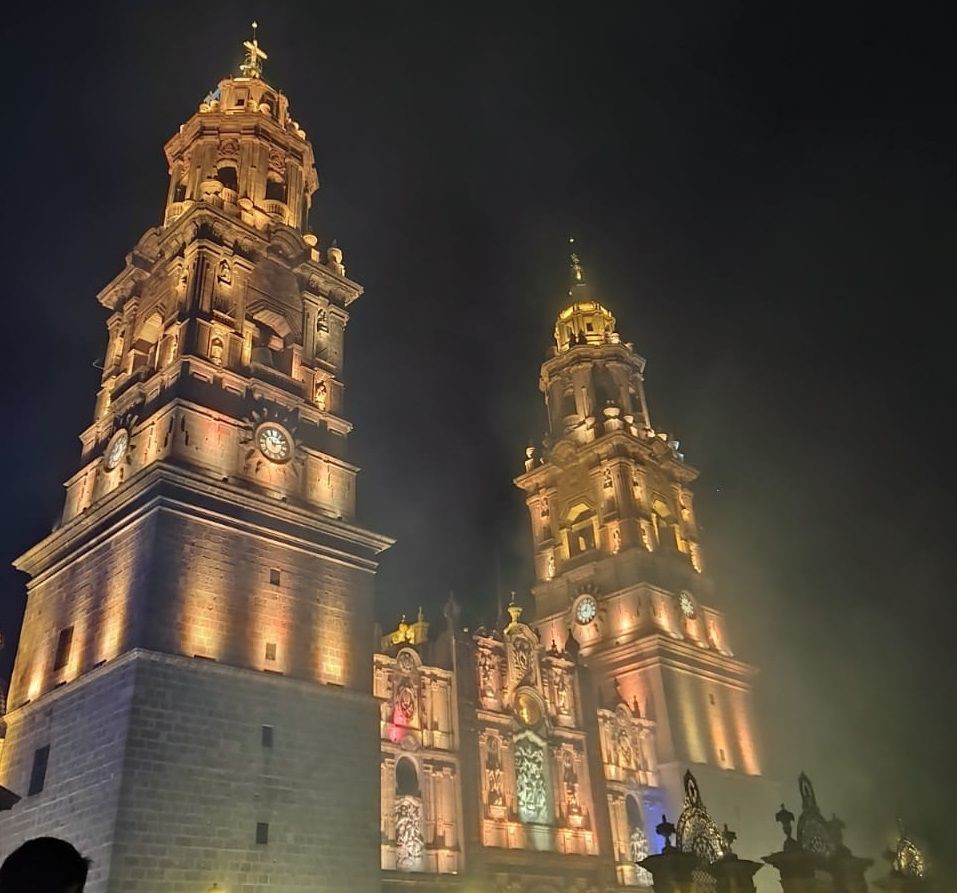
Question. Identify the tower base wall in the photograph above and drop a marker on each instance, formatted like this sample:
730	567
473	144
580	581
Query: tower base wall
159	770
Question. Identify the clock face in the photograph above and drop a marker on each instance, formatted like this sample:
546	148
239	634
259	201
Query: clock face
274	443
117	449
686	603
586	609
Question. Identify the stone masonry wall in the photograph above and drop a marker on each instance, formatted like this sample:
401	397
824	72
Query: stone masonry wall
229	593
166	757
85	725
198	778
97	593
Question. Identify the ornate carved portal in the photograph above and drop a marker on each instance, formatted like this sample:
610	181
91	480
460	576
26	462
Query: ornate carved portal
531	788
409	840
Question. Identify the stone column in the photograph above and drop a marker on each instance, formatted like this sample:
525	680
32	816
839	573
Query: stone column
673	870
848	872
734	875
796	868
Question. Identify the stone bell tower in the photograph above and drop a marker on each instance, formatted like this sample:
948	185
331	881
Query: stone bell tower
191	699
619	569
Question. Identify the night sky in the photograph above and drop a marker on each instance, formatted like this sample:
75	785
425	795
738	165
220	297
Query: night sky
762	192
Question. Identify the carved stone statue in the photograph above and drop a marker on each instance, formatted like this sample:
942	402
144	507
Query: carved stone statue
561	691
488	666
493	773
570	782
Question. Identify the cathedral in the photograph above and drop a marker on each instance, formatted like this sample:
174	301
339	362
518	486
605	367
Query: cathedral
201	699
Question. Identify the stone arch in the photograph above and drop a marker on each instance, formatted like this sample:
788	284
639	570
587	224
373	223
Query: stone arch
406	778
582	528
144	347
273	320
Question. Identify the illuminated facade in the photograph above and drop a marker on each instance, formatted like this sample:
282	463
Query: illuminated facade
584	721
196	695
191	698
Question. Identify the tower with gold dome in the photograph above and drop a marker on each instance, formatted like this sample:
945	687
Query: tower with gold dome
620	573
191	701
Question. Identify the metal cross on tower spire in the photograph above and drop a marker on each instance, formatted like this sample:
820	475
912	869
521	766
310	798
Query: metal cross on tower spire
576	271
252	66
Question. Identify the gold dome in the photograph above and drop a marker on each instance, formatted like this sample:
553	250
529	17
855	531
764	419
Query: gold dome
584	321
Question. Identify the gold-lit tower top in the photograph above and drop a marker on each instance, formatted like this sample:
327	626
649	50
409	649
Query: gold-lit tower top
252	65
584	320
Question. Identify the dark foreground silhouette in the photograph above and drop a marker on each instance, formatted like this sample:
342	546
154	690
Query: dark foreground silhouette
44	865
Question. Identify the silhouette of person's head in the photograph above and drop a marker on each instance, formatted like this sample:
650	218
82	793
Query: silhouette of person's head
44	865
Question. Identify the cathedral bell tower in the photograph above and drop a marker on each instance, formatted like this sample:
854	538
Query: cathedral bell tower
620	573
192	691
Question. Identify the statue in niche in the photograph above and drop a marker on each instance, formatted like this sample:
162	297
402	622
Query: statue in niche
224	275
321	324
606	482
488	666
616	541
636	485
684	508
321	396
550	568
493	773
172	348
645	539
561	691
545	509
570	782
118	346
216	351
626	753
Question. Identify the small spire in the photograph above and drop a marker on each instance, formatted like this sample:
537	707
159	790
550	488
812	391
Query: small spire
514	611
252	66
577	274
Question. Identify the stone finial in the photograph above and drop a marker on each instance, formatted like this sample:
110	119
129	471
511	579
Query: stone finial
514	610
665	830
729	838
334	256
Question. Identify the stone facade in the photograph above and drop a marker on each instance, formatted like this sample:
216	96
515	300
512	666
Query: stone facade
191	701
